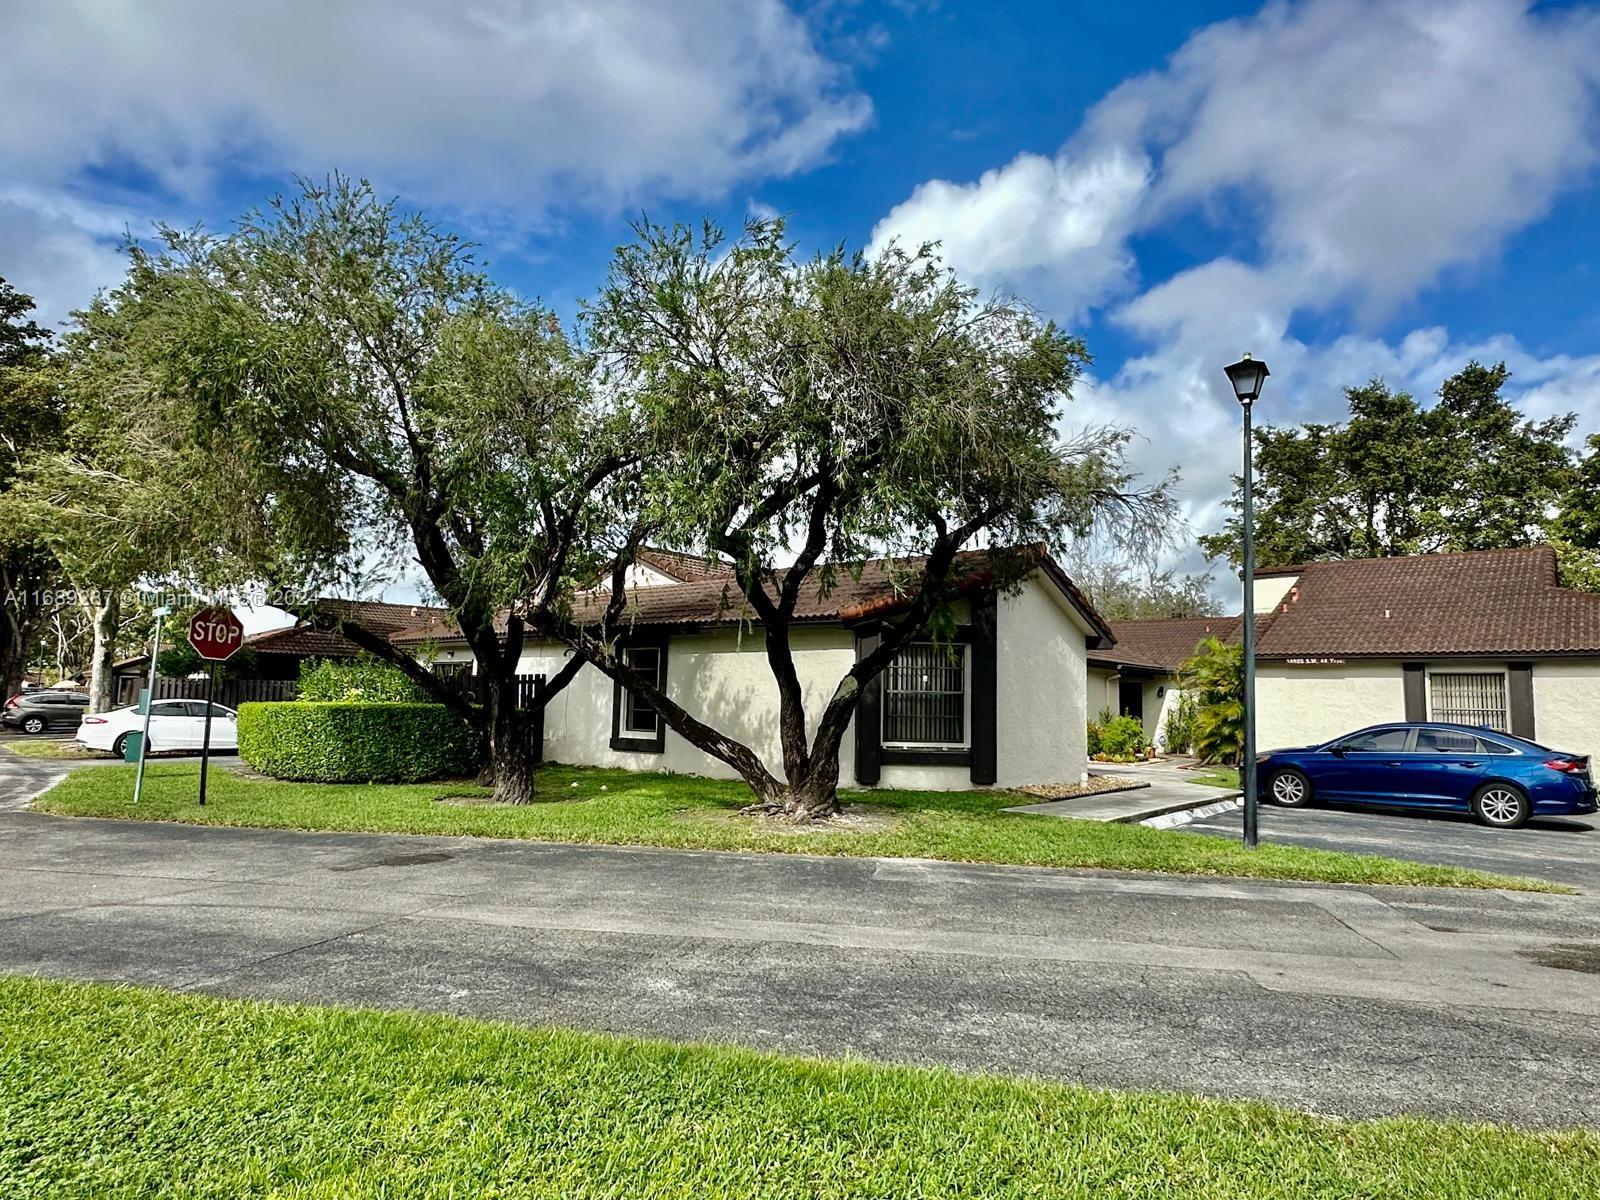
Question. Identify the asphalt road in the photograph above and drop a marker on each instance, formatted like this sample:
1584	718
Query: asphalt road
1565	849
1342	1000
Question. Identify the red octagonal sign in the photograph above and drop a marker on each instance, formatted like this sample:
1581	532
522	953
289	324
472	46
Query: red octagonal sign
215	634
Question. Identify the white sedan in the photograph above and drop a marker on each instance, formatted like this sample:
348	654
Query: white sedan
174	725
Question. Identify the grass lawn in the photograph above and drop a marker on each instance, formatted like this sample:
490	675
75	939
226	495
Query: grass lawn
1215	777
121	1092
51	748
621	808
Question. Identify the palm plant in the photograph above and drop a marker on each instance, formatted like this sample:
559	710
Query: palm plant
1214	675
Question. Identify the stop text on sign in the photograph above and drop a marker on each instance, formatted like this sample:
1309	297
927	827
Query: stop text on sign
215	634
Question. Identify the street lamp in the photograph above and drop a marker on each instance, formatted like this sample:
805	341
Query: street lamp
1247	376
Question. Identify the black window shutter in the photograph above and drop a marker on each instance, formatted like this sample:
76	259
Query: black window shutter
984	768
869	719
1416	697
1521	687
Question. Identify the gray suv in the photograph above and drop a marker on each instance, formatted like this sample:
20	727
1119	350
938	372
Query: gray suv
35	712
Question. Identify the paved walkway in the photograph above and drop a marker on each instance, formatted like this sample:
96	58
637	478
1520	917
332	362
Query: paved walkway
1160	789
1346	1000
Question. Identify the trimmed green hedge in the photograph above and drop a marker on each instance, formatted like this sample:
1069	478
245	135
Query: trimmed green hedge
356	741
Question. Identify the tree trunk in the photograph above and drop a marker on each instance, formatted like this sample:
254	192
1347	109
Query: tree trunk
512	756
106	613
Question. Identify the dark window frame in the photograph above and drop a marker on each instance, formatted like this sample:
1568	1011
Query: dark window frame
638	741
962	652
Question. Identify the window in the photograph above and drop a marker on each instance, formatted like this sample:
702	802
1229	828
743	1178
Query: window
638	716
925	697
1378	741
1447	741
1469	698
635	725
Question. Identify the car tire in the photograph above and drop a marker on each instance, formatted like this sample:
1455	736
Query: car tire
33	724
1290	788
119	748
1501	806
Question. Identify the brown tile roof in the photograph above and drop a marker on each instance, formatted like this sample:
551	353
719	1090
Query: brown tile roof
881	588
304	639
685	568
1499	602
1162	645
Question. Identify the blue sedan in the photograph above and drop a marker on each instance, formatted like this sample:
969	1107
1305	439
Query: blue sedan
1501	780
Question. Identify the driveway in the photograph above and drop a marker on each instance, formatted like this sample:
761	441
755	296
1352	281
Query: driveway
1566	849
1358	1001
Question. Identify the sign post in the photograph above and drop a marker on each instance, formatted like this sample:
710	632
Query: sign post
216	635
149	694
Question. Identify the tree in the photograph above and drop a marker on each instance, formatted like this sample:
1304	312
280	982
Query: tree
1214	675
30	418
809	414
360	382
1467	474
1122	591
1578	520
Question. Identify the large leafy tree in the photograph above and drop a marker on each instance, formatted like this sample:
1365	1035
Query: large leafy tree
1124	590
31	419
351	371
1468	473
809	414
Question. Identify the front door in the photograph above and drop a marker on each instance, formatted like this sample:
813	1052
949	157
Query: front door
1130	699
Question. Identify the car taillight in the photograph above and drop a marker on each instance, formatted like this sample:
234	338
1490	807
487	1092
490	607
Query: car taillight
13	701
1568	766
94	721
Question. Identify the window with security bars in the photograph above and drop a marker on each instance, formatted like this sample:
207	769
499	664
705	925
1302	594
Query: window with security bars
1469	698
925	697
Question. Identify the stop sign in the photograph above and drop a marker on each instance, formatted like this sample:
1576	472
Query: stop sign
215	634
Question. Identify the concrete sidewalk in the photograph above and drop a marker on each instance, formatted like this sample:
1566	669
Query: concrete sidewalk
1156	790
1360	1001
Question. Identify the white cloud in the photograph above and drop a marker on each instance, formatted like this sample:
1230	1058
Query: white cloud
514	103
1373	143
513	112
1355	152
1053	229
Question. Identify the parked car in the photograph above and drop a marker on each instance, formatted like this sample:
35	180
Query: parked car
174	725
1501	780
49	708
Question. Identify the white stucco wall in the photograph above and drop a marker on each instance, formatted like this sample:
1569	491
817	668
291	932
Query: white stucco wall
1566	704
1041	695
1271	590
1302	705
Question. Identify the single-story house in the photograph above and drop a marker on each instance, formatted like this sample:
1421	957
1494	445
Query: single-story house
1483	637
1137	676
276	654
1005	706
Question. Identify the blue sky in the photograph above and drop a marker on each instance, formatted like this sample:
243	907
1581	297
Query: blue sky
1347	188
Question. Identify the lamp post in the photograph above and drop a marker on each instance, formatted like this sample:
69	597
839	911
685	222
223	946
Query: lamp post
1247	375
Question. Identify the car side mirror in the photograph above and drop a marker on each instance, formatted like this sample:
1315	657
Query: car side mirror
1338	752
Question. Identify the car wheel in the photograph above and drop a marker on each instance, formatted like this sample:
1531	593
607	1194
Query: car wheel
1290	789
32	724
1501	806
119	748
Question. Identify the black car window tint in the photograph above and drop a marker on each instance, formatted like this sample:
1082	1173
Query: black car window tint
1445	741
1382	740
1492	747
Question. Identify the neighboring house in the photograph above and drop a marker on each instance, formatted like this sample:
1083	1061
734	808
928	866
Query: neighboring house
276	654
1482	638
1006	707
1138	676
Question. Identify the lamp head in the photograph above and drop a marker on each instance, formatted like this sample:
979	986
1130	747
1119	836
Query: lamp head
1247	375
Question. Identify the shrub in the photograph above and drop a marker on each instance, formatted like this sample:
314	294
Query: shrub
361	678
1178	733
356	742
1123	737
1094	738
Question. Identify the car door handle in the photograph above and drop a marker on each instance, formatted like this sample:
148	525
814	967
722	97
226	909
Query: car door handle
1394	762
1469	764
